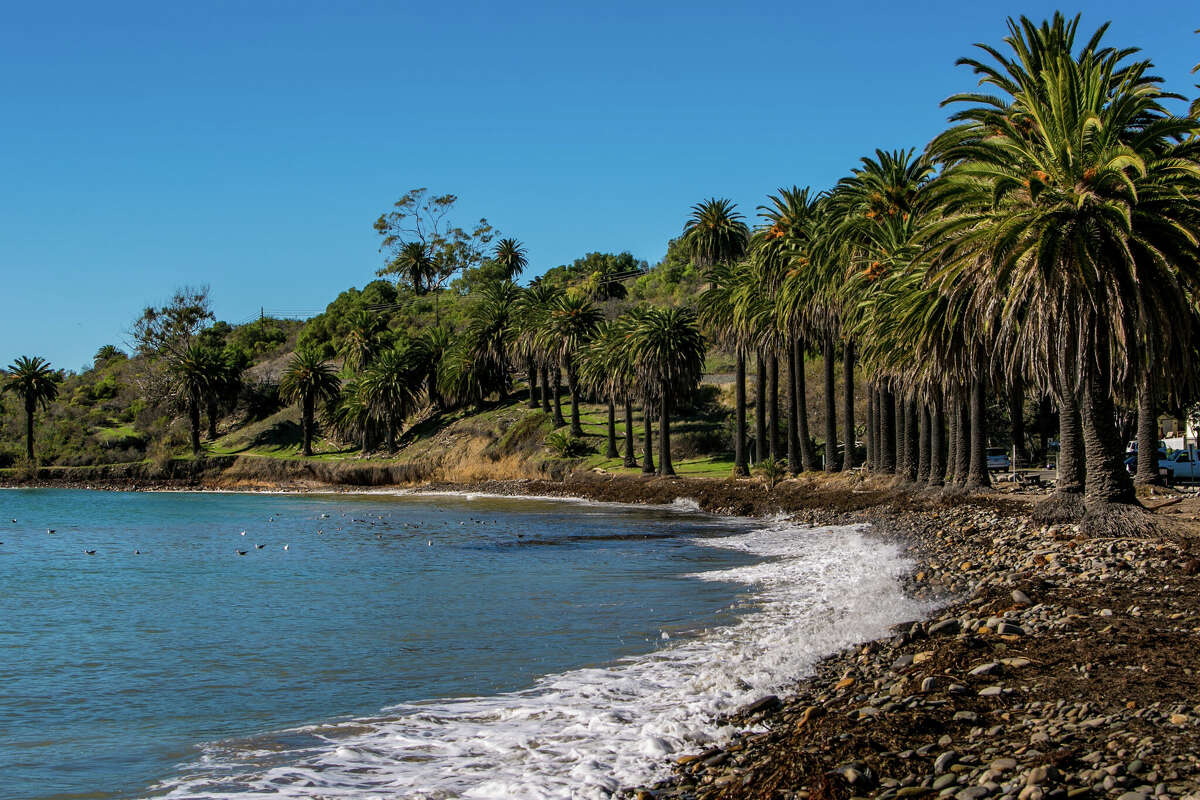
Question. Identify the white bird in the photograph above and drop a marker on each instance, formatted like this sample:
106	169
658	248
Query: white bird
243	533
285	547
430	543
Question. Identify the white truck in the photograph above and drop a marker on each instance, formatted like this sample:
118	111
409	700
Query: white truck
1181	465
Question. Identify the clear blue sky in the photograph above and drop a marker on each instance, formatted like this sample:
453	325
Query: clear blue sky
249	146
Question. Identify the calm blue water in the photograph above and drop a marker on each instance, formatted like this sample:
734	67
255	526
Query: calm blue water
115	666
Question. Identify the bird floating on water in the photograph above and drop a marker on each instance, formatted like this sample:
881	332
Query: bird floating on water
241	552
285	547
259	546
49	530
243	533
90	552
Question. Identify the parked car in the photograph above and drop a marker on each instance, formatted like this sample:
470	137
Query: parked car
1181	465
1131	459
997	459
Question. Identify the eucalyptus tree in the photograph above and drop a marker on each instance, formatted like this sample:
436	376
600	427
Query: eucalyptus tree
307	380
32	379
572	321
510	256
1075	191
667	350
716	237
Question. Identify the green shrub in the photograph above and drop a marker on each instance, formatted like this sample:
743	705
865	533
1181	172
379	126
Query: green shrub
566	446
771	470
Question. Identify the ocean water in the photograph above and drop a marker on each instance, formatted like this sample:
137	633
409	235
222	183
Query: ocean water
399	646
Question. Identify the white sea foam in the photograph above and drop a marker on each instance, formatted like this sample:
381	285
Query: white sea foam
587	732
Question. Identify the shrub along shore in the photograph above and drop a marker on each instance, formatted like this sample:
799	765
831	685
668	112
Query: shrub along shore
1061	665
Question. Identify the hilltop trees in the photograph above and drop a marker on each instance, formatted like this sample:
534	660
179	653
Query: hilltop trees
32	379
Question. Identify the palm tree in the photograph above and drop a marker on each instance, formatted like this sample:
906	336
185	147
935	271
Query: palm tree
223	388
37	384
307	380
668	350
604	370
491	325
351	414
391	386
716	237
1074	190
532	309
415	261
572	322
510	256
196	374
360	342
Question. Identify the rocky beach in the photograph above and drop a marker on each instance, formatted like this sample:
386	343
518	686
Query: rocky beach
1059	667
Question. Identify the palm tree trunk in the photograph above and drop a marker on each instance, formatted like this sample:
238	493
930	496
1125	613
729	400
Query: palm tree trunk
887	433
533	384
808	458
964	437
558	415
848	405
612	430
194	419
952	439
760	407
977	476
1147	434
545	389
739	443
573	386
213	413
773	399
30	410
831	454
924	425
630	458
912	440
306	423
1016	416
793	438
648	442
1107	481
937	441
871	464
664	430
901	437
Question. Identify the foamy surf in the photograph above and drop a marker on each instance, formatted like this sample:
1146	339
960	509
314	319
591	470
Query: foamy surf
588	732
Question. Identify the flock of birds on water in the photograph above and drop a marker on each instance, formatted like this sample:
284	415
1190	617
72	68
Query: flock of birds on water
320	531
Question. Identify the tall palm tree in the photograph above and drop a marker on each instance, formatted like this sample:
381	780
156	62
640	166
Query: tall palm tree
491	326
416	262
37	384
716	236
571	323
1075	189
668	351
196	373
605	370
307	380
351	414
532	310
391	386
511	257
361	342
